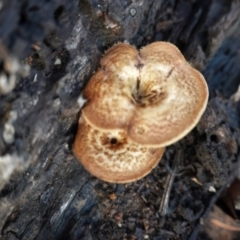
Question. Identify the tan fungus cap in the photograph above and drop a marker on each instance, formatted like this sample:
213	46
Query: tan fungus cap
111	156
154	94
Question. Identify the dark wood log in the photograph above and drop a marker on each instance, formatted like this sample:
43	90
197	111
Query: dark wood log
45	193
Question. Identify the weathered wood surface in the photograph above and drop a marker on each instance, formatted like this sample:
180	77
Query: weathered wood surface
44	192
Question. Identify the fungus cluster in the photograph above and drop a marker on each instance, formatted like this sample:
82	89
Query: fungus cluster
138	102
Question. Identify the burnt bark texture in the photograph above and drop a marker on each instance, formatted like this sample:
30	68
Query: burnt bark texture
48	51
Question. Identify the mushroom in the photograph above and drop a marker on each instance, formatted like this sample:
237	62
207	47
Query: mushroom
112	156
154	94
137	103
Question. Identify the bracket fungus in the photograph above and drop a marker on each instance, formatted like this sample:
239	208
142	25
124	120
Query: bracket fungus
147	100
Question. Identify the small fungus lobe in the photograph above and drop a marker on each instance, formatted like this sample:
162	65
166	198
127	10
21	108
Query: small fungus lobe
111	156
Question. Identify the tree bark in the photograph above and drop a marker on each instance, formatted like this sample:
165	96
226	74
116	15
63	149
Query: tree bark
45	193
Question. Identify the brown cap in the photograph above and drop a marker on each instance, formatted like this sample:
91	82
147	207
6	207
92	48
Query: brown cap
173	97
111	156
155	95
108	105
109	90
